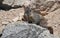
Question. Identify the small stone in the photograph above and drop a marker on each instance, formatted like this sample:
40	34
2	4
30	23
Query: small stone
4	23
15	19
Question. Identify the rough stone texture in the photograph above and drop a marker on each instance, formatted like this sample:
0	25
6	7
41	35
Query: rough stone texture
49	6
54	21
21	2
1	29
25	30
14	2
53	18
12	15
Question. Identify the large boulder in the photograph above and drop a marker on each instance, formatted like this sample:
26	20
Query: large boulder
25	30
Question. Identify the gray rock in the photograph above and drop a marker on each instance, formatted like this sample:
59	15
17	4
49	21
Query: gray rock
25	30
8	2
14	2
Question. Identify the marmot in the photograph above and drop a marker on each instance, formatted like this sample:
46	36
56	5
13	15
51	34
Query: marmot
32	15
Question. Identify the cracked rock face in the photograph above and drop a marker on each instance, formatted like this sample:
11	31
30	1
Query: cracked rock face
25	30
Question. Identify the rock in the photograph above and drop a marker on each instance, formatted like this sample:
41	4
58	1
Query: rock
21	2
25	30
43	8
5	23
54	21
8	2
50	3
1	29
14	2
13	14
17	3
15	19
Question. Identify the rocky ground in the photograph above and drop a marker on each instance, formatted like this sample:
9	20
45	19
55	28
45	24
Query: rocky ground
42	15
